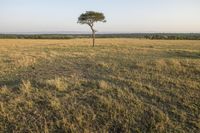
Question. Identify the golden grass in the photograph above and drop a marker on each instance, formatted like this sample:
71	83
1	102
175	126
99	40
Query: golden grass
120	85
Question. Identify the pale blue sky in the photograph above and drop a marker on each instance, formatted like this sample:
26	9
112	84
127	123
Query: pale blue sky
121	15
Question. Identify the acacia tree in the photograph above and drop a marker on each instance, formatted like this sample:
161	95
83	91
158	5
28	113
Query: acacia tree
89	18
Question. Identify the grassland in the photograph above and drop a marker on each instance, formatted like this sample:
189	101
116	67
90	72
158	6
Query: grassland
121	85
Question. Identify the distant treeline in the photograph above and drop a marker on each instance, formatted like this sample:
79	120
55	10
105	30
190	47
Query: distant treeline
161	36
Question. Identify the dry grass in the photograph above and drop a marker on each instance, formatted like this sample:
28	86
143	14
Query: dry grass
121	85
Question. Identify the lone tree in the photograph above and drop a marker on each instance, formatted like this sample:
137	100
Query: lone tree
89	18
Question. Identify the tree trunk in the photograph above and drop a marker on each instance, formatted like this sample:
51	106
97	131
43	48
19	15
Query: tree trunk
93	37
93	34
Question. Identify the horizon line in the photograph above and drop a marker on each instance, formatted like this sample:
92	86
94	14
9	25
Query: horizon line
87	32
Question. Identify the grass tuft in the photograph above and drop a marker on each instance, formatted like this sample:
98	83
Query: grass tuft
103	85
58	83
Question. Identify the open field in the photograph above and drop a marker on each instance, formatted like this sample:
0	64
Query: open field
121	85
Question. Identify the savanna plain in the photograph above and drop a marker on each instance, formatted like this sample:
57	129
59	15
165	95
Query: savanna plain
120	85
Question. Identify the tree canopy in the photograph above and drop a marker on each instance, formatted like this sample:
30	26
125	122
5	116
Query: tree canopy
91	17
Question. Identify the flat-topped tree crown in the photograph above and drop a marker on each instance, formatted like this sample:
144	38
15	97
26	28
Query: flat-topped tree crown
89	18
